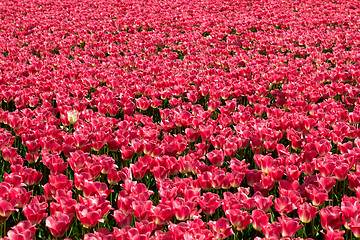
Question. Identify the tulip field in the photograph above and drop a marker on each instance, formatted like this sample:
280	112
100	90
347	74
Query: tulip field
183	119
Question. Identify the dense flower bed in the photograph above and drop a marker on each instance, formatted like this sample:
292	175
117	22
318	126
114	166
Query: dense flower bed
211	119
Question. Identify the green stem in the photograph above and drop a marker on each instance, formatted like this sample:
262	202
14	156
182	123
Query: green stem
312	226
5	228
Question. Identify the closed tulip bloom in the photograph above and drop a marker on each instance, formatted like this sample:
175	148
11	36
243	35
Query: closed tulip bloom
87	216
326	183
6	208
59	223
259	218
323	147
23	230
122	219
239	219
209	202
317	195
331	217
272	230
263	203
34	213
162	214
306	212
333	234
113	177
289	226
355	225
142	210
341	171
349	209
221	228
283	205
216	157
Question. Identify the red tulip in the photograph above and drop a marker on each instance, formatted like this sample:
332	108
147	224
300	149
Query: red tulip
216	157
55	163
306	212
91	188
97	203
307	168
276	173
23	230
87	216
206	132
272	230
323	147
59	223
355	225
354	180
220	180
191	134
221	228
292	172
239	219
345	147
289	226
218	141
331	217
34	212
235	179
333	234
14	179
230	148
64	203
259	218
191	194
142	210
29	176
205	180
326	183
160	172
264	162
209	202
162	214
283	205
145	227
325	166
213	105
6	208
181	210
138	169
127	152
78	159
142	103
33	146
80	139
122	219
317	195
253	176
113	177
341	171
262	202
9	153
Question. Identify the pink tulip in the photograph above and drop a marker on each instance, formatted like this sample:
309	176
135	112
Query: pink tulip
59	223
221	228
289	226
